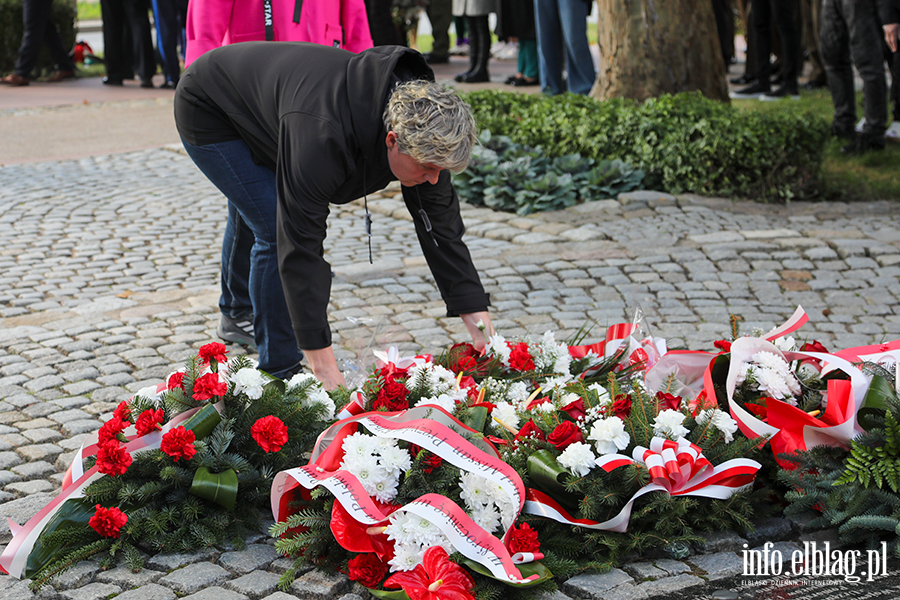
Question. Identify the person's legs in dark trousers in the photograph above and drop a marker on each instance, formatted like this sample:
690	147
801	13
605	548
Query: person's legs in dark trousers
38	28
136	15
725	29
118	67
580	73
784	13
812	17
169	25
250	189
440	15
237	246
894	63
550	46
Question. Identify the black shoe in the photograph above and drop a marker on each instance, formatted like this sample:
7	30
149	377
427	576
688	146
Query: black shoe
238	331
862	144
754	90
431	59
742	80
815	85
847	133
168	85
785	91
108	81
146	83
479	76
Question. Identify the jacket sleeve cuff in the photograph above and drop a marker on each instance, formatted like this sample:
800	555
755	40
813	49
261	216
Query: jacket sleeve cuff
467	304
313	339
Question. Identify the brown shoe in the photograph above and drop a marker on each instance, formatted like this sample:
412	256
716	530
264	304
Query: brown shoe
14	80
60	76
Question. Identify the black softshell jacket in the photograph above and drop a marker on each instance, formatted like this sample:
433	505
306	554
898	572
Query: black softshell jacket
313	114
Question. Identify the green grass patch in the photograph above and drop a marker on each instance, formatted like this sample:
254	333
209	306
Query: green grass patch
88	11
872	176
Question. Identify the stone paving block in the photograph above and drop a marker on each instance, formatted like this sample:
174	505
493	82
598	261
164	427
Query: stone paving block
769	530
168	562
92	591
719	565
79	575
255	556
670	584
34	470
643	571
81	426
595	585
316	585
9	460
194	577
280	596
216	593
721	541
672	567
255	584
67	416
151	591
27	488
126	579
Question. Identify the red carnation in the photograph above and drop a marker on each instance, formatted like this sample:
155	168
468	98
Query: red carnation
391	397
207	386
723	345
622	406
520	359
564	435
179	443
429	461
575	409
523	539
367	569
112	459
149	420
670	401
270	433
108	521
530	430
109	431
123	412
213	352
176	380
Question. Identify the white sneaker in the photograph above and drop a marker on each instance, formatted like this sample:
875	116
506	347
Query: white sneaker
861	124
893	132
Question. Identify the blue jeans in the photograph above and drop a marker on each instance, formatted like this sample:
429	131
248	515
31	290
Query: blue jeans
250	279
562	33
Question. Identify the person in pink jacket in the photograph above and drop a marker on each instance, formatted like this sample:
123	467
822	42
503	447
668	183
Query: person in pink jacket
336	23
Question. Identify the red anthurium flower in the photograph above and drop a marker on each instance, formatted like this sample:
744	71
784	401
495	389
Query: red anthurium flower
176	380
723	345
214	351
564	435
113	459
359	537
208	385
149	420
667	400
530	430
179	443
437	578
110	430
270	433
123	412
108	521
523	539
367	569
575	409
537	402
621	407
520	359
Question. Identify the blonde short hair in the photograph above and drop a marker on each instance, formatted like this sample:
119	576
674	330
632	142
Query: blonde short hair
433	124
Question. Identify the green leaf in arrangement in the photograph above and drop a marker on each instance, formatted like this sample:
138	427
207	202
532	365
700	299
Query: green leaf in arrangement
220	488
527	570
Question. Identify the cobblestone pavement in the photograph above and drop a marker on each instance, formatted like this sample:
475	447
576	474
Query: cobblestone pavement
108	281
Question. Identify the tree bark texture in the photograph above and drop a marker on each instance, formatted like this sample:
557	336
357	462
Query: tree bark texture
654	47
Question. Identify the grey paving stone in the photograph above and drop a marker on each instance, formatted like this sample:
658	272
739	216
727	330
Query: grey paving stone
79	575
126	579
718	565
216	593
195	577
670	584
255	584
168	562
595	585
316	585
81	426
255	556
34	470
642	571
92	591
721	541
150	591
672	567
280	596
769	530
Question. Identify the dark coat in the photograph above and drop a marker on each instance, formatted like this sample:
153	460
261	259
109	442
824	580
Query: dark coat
313	114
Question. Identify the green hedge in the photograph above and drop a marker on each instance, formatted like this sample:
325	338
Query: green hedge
11	29
684	143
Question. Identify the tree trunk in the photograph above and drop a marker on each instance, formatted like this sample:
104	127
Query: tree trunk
654	47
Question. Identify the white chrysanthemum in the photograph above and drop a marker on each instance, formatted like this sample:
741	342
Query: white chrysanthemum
358	445
395	459
721	420
773	383
546	407
497	346
508	513
770	360
668	423
368	471
609	435
448	403
386	489
506	412
427	533
400	528
406	557
487	516
578	458
474	490
249	382
517	394
445	378
743	372
300	378
785	344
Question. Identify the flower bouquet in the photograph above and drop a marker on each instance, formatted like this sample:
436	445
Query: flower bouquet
180	466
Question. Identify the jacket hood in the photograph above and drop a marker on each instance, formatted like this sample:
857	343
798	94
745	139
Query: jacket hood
369	80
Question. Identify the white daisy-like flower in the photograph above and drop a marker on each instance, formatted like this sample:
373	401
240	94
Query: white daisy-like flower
320	396
487	516
497	346
358	445
406	557
427	533
743	372
400	528
517	394
578	458
546	407
773	383
506	412
609	435
770	360
721	420
249	382
395	459
300	378
474	490
386	489
668	423
448	403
